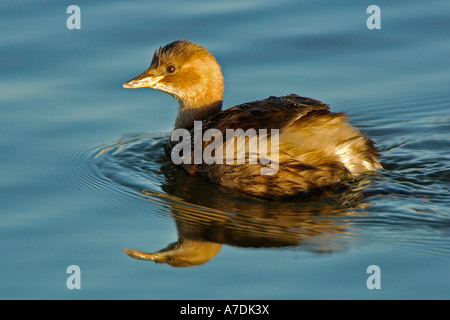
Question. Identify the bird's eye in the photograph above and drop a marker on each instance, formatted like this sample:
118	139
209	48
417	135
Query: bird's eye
171	69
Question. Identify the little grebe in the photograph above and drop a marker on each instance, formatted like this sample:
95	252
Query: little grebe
315	148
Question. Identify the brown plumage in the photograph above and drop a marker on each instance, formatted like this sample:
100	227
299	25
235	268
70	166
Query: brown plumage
315	149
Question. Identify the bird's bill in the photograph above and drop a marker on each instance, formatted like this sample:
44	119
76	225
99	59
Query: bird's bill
144	80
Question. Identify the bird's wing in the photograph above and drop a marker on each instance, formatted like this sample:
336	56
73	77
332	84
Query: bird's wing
270	113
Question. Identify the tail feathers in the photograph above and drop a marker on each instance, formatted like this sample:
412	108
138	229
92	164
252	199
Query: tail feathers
359	155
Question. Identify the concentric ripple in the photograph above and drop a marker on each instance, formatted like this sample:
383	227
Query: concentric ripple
405	206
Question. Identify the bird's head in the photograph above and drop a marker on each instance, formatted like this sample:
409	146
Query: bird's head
186	71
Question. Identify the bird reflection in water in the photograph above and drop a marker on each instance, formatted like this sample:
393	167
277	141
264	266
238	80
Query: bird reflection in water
208	217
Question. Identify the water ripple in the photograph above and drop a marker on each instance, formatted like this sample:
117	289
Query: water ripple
407	199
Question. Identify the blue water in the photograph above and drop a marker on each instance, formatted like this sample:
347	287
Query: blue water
83	173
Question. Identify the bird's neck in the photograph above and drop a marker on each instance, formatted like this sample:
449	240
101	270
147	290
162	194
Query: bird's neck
188	113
